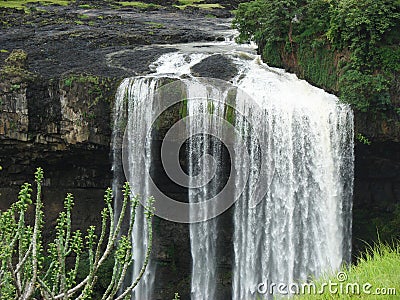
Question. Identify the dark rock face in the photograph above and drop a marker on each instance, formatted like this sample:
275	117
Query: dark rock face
378	128
75	170
215	66
376	190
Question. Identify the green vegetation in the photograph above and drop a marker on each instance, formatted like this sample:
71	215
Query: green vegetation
15	66
138	4
97	87
362	139
389	227
29	269
86	6
196	3
155	25
23	4
379	267
350	47
83	17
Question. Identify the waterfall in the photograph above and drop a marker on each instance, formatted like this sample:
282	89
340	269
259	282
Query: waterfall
203	235
291	170
132	112
301	226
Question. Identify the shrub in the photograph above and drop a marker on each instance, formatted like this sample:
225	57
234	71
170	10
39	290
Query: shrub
28	270
350	47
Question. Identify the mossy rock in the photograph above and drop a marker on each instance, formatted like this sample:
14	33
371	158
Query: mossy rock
15	67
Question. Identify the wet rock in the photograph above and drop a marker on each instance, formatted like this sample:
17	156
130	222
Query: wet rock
138	61
215	66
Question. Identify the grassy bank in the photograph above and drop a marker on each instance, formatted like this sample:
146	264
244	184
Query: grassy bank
376	276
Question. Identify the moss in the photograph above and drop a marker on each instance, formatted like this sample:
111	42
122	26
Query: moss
155	25
183	110
17	58
83	17
86	6
98	88
15	66
196	3
138	4
23	4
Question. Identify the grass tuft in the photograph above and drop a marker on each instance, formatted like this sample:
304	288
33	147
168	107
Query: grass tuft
22	4
196	3
379	267
138	4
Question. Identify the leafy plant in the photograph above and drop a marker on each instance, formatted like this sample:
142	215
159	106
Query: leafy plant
350	47
365	91
28	270
363	139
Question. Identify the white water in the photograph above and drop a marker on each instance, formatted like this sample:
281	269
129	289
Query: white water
302	226
132	111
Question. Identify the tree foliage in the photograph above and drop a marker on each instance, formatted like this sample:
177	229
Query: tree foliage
264	21
28	270
362	36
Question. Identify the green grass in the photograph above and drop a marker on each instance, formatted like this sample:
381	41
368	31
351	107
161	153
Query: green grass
189	2
209	6
83	17
86	6
196	3
379	267
138	4
22	4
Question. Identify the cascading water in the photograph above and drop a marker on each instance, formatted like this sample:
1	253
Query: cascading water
301	226
132	113
292	218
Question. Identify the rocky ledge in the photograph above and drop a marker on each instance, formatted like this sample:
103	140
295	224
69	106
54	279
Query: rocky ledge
59	70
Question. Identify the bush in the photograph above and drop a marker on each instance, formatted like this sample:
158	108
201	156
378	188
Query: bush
351	47
28	270
365	91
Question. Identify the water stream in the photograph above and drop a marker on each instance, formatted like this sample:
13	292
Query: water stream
291	167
